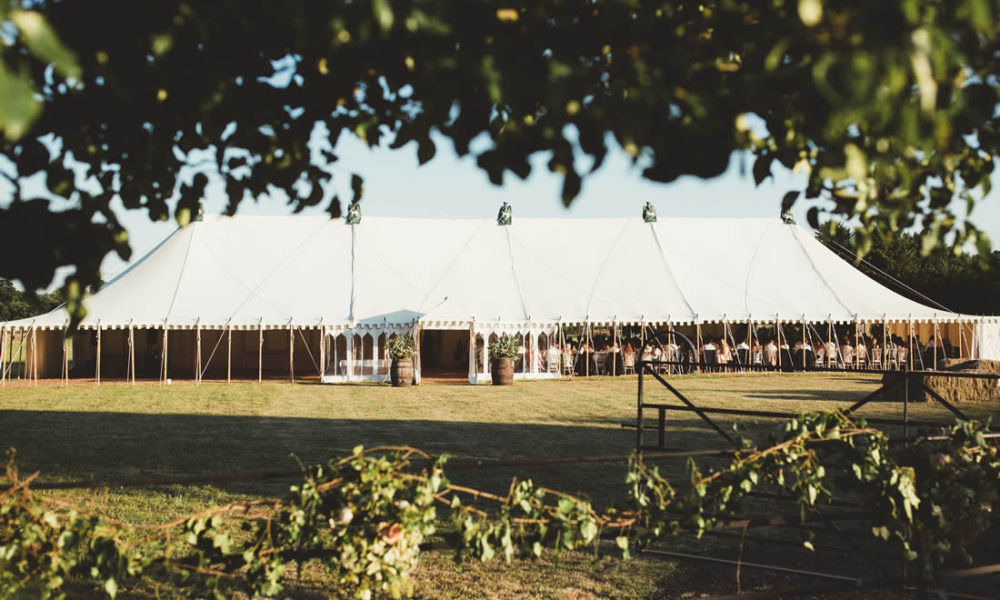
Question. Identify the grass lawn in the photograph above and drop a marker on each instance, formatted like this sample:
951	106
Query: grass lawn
83	432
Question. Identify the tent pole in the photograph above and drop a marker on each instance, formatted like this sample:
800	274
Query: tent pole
419	365
472	352
614	343
349	354
229	353
22	349
804	353
260	351
588	339
322	353
777	333
885	347
910	342
3	356
699	358
166	352
97	373
64	367
937	340
131	353
291	353
857	342
34	355
535	352
961	330
197	352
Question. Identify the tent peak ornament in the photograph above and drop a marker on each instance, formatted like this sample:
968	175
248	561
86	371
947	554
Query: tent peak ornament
504	216
353	213
649	213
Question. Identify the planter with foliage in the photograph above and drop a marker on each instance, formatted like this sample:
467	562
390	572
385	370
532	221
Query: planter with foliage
401	352
503	350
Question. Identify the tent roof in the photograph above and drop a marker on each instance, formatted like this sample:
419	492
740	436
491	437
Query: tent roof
276	271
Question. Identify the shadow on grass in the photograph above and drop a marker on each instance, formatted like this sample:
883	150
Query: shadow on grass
97	445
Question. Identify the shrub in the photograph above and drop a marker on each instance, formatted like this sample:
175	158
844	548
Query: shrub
505	346
400	346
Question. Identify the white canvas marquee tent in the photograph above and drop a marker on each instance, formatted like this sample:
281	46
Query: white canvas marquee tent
332	293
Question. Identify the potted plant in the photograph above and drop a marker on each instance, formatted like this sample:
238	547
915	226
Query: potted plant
503	350
401	352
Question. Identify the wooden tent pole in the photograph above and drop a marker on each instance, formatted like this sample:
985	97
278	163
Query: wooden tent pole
3	355
131	353
614	343
961	330
910	353
473	376
937	340
322	353
97	374
34	355
857	342
804	347
777	330
197	352
65	365
418	371
587	339
229	353
22	351
291	352
699	358
166	352
885	346
260	351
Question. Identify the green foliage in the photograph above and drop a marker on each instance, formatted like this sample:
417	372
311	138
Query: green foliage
400	346
505	346
15	304
962	282
363	518
888	107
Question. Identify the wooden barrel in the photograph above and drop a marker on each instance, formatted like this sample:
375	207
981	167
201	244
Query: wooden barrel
503	371
401	372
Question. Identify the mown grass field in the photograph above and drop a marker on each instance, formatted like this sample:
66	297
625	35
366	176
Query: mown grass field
86	432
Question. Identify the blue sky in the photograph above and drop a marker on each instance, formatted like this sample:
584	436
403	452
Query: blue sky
395	185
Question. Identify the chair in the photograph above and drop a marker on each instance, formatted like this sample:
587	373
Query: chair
876	359
552	361
628	363
567	363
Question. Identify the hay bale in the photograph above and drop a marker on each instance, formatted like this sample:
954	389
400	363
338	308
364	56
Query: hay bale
952	389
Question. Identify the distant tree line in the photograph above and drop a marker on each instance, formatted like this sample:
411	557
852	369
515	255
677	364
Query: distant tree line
963	283
15	304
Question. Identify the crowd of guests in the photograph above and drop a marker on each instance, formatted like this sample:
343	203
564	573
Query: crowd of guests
718	355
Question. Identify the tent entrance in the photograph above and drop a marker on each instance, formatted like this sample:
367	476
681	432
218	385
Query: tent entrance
444	355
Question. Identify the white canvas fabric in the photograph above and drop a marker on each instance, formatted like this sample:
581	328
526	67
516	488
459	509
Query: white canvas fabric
272	272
